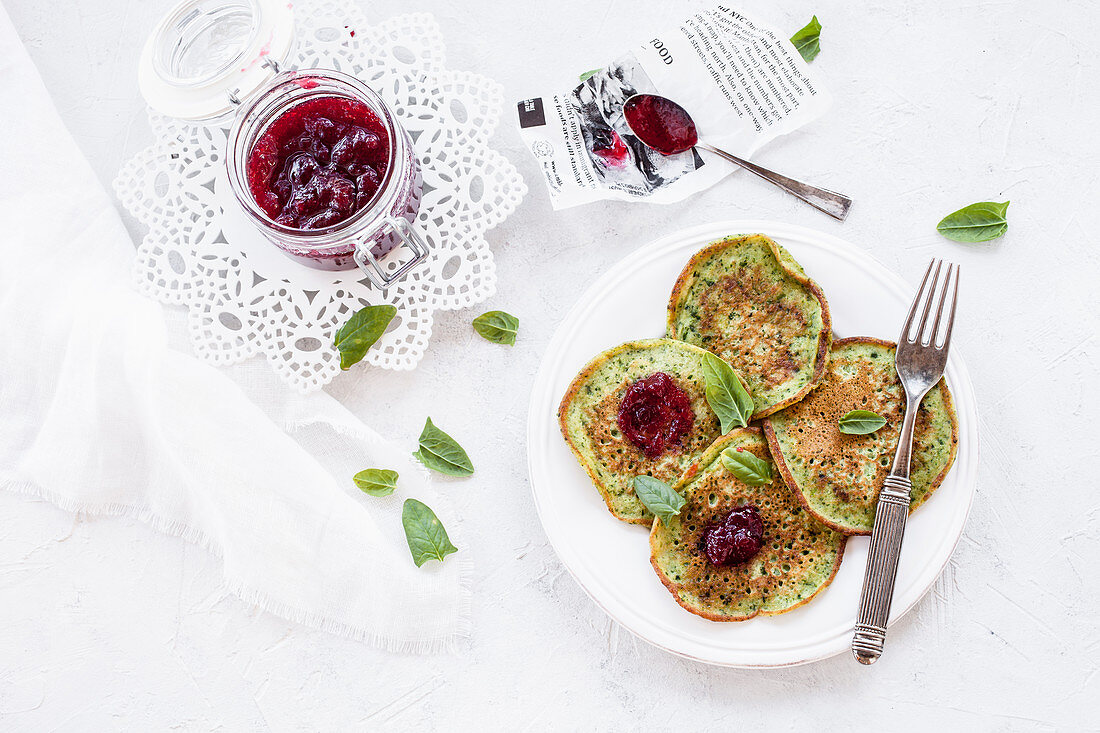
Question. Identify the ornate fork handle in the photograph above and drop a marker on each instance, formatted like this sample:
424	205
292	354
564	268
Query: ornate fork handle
882	566
920	363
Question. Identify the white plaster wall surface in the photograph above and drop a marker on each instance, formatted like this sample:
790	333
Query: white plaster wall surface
105	625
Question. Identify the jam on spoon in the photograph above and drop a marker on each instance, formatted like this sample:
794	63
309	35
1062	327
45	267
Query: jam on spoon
735	539
319	162
655	414
660	123
666	127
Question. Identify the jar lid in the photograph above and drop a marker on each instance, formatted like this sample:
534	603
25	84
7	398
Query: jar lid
207	55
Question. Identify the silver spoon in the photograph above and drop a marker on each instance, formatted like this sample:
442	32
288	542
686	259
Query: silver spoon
666	127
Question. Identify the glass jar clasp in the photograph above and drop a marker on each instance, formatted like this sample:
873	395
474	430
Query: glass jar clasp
370	265
269	63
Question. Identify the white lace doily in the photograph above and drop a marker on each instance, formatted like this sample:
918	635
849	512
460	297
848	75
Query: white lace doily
247	298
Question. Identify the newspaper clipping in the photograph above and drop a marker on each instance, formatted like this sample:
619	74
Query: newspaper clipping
742	83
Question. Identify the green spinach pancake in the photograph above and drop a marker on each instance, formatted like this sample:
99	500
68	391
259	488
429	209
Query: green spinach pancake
838	476
739	550
748	301
638	409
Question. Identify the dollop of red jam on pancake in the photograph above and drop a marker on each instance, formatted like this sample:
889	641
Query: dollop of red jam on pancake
655	414
735	539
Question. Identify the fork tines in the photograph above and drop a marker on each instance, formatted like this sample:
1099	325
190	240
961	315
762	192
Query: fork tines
933	336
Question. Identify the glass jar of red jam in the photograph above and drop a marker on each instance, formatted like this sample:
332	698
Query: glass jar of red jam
320	165
315	158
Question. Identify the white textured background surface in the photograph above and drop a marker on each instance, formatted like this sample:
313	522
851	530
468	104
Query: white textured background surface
105	625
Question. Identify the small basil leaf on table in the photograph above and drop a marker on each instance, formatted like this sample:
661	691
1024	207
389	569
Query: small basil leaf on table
725	394
978	222
424	532
746	467
861	422
808	40
658	497
376	481
440	452
589	74
361	331
498	327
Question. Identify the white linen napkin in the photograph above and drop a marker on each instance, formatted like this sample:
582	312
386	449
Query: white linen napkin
99	415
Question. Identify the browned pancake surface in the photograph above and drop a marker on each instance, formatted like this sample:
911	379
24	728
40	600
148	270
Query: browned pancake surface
800	555
838	476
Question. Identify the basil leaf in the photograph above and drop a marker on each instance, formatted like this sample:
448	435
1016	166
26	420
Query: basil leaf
498	327
658	497
861	422
376	481
726	395
746	467
361	331
589	74
440	452
424	532
978	222
808	40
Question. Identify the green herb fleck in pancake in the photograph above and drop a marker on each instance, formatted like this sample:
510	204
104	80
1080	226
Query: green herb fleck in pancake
748	301
589	413
799	556
837	475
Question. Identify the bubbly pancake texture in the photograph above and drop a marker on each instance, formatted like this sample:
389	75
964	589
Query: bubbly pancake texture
799	557
588	417
748	301
838	476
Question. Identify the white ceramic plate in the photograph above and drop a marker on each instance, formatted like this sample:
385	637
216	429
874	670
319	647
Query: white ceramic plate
610	559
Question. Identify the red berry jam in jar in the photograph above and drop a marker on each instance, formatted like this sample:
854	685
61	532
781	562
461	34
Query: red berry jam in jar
316	159
321	166
319	162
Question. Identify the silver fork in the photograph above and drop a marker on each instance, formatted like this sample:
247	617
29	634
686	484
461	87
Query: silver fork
920	360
